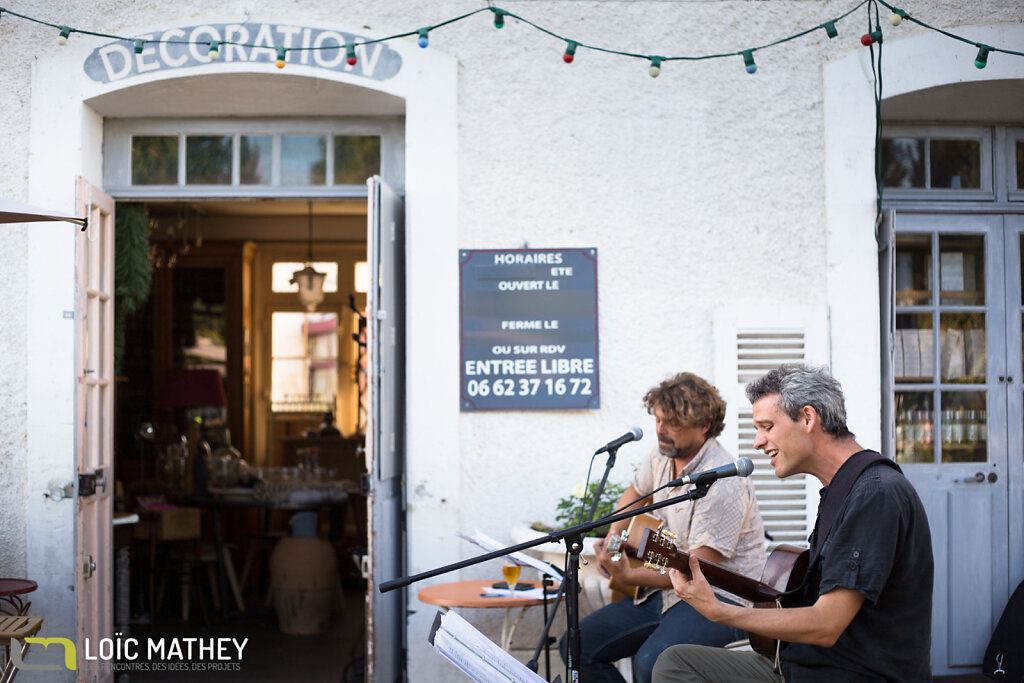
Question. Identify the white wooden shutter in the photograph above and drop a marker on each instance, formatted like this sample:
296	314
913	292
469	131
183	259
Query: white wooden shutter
749	342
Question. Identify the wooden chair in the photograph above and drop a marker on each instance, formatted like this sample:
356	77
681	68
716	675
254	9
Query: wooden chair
13	632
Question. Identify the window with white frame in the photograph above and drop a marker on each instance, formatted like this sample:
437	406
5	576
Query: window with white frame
258	158
937	162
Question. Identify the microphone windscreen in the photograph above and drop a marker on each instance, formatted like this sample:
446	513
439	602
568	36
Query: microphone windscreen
744	466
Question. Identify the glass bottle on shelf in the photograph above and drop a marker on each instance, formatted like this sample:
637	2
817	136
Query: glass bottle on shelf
901	431
224	459
947	427
958	426
972	427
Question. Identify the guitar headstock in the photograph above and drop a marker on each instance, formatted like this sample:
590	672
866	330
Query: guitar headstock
617	543
657	549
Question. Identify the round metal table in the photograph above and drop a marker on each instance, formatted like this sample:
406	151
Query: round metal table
471	594
11	591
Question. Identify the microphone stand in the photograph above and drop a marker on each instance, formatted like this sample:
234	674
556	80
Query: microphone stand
573	537
545	641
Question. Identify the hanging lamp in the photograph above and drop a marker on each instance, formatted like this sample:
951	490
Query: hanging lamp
309	280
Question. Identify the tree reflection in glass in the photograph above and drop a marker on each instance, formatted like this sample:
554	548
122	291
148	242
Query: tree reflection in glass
903	162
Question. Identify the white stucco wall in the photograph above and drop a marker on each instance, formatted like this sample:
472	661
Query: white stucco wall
704	188
14	102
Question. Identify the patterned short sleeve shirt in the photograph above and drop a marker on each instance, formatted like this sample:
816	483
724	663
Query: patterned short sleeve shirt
726	519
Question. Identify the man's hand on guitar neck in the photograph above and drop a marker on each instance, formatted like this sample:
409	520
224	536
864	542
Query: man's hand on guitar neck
820	624
622	572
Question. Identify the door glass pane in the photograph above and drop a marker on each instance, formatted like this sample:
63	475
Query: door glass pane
255	154
208	160
964	426
304	361
962	355
914	348
154	160
955	164
915	425
913	270
1020	164
356	158
962	269
303	159
903	162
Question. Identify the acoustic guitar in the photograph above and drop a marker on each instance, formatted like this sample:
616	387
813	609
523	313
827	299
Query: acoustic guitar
783	573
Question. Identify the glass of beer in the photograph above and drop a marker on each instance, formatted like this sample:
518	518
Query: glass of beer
510	570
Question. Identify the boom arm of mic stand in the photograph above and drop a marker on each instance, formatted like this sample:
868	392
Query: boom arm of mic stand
552	537
573	536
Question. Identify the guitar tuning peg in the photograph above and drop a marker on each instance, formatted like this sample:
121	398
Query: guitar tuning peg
671	535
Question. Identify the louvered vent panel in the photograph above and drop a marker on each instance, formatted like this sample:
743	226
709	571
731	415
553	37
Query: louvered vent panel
782	501
757	352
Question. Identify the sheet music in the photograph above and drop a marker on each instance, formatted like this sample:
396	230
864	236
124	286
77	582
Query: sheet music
489	544
456	640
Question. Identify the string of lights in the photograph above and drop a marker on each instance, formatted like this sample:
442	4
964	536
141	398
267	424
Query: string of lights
572	46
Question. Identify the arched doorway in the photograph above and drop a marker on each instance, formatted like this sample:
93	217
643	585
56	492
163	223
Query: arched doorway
926	80
216	246
951	293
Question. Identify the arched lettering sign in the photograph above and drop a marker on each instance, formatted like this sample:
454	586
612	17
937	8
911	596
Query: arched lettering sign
189	46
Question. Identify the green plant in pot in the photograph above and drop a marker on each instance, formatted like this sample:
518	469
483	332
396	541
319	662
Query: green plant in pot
572	509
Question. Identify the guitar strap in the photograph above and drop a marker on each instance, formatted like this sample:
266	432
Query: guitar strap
838	489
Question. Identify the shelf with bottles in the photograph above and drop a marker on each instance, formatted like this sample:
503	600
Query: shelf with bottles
962	434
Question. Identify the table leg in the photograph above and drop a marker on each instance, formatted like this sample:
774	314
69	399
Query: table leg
218	529
508	631
18	607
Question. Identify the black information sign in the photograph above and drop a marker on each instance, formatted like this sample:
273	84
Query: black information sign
528	322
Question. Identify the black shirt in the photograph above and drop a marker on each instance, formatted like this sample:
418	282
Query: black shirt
879	546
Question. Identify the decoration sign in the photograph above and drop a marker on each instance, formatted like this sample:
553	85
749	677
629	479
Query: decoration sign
189	46
528	320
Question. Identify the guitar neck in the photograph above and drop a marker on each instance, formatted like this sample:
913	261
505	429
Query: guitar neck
661	553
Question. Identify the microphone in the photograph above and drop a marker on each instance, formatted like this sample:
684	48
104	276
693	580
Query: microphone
634	434
741	468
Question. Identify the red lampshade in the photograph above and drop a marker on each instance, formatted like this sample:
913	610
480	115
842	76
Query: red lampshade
194	388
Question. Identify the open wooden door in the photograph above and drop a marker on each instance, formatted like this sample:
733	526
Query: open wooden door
385	430
94	430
